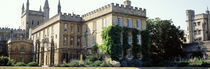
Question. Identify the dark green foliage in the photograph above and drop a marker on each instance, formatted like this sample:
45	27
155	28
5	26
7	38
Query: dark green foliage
32	64
20	64
11	62
112	45
64	65
94	57
146	44
125	41
104	64
95	49
74	63
96	63
136	47
3	61
166	38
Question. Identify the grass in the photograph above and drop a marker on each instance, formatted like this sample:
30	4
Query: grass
6	67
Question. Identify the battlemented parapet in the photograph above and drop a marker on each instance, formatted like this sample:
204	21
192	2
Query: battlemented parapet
9	30
115	8
70	17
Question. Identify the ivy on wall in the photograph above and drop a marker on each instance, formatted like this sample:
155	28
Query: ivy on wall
112	44
111	39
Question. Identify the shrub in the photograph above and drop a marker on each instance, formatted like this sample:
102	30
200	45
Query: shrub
11	62
32	64
104	64
96	63
94	57
74	63
87	62
3	61
65	65
20	64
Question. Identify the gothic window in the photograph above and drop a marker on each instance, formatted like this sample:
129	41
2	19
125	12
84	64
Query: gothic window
72	28
199	32
78	42
138	22
120	21
78	28
139	39
86	44
72	41
65	27
104	23
22	49
86	26
129	38
65	41
15	36
199	23
78	56
129	22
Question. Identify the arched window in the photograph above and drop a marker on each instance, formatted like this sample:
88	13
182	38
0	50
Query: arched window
22	49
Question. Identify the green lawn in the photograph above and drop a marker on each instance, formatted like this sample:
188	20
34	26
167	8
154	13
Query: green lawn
5	67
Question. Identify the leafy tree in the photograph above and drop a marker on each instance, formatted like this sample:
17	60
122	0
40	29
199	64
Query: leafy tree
165	37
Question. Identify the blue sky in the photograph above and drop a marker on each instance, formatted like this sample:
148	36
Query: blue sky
165	9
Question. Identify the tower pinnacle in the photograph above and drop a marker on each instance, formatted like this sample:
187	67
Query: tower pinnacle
59	7
127	3
207	11
27	5
23	8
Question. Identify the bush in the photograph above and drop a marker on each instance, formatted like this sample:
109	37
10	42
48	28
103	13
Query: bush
11	62
20	64
94	57
104	64
74	63
32	64
3	61
65	65
87	62
96	63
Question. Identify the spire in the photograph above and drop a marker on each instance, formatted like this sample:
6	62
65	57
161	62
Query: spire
27	5
46	10
23	8
40	9
46	5
59	7
127	3
207	11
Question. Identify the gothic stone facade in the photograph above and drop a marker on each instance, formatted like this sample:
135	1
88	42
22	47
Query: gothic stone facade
197	26
65	37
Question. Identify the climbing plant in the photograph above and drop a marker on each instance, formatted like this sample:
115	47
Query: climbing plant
111	39
112	44
146	44
136	47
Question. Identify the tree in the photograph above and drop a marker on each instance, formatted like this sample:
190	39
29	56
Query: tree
166	38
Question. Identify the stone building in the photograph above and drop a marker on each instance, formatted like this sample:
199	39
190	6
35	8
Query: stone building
65	37
5	35
20	50
197	26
